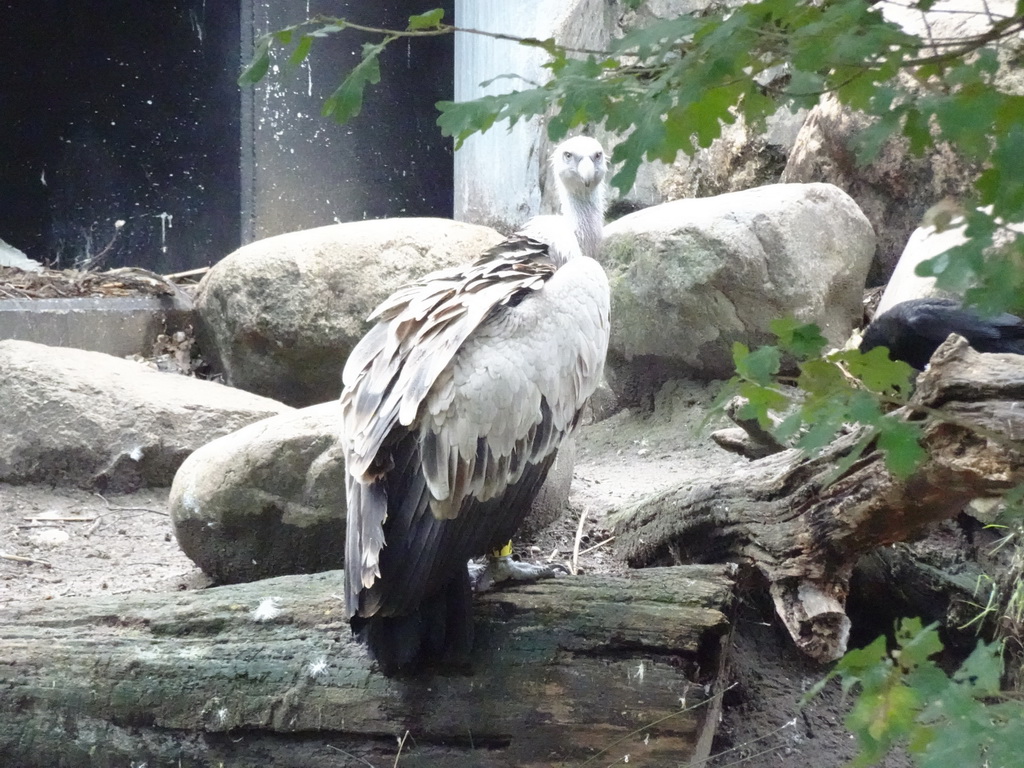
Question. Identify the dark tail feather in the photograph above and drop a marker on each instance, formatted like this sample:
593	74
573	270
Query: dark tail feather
438	632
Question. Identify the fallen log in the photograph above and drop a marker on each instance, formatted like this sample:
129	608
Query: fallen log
803	529
266	673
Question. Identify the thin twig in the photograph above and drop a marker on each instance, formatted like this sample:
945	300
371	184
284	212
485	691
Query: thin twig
576	544
45	519
440	29
669	716
762	737
597	546
401	743
28	560
131	509
187	273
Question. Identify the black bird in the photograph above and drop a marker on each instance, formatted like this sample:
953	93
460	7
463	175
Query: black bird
913	330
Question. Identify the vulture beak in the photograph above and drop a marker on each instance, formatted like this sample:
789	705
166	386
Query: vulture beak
586	171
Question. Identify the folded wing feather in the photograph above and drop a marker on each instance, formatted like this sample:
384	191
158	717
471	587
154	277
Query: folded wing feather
431	364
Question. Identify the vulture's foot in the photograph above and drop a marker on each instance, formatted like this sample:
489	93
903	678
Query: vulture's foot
483	576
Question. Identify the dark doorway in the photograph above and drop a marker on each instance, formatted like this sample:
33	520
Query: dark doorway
129	111
120	111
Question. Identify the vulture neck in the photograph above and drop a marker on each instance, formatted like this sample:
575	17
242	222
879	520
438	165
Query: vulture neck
585	213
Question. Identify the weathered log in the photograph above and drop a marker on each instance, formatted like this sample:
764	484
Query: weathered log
803	529
748	438
266	674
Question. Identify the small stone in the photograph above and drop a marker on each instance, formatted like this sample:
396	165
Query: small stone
49	537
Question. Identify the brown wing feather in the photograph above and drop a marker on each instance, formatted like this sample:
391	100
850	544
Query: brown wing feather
391	371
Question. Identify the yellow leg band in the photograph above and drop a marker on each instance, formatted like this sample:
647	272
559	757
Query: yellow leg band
504	551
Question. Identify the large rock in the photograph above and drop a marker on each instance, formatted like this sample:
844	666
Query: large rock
691	277
281	315
894	190
897	188
93	420
741	158
905	284
267	500
14	257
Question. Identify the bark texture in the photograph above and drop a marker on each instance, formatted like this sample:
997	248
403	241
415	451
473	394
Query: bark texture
803	529
266	674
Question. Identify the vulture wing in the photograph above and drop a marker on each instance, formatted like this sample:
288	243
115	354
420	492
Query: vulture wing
454	406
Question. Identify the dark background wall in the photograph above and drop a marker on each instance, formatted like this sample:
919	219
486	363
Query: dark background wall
306	170
120	110
128	110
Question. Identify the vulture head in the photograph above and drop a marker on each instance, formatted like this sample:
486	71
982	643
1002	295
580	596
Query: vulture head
580	165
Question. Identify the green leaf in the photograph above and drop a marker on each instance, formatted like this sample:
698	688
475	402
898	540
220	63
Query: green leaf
301	51
805	87
256	70
1002	185
462	119
647	41
803	340
428	20
824	418
347	101
868	143
330	28
758	366
900	440
821	378
916	129
917	643
966	117
760	402
982	670
877	371
548	45
857	663
628	154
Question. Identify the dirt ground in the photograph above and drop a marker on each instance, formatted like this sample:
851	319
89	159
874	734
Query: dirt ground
57	543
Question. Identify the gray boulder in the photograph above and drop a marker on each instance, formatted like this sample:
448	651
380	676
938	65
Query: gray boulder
280	316
72	417
14	257
905	284
894	190
897	188
691	277
269	499
266	500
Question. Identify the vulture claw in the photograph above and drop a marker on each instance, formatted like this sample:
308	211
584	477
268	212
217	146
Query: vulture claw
484	576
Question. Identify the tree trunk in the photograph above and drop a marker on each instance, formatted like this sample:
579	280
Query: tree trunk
266	674
803	529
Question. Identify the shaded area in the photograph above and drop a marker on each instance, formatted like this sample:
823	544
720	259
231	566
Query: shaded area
123	110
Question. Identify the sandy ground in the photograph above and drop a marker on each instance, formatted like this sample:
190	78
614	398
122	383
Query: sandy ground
65	542
57	543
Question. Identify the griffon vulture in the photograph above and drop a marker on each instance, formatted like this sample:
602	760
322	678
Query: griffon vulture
454	407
